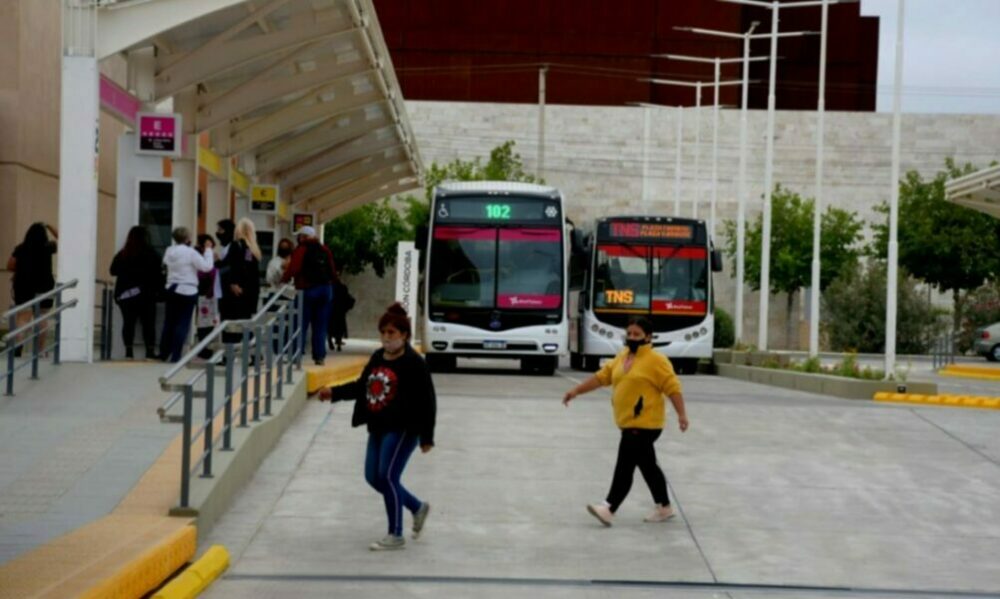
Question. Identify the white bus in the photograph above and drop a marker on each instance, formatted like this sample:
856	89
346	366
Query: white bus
657	267
495	278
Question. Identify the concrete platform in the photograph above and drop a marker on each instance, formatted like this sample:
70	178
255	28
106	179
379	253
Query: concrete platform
780	493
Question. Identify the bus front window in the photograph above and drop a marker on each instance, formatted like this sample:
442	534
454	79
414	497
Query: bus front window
462	267
621	278
680	280
531	272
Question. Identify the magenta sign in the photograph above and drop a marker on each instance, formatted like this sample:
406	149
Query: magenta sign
159	134
529	301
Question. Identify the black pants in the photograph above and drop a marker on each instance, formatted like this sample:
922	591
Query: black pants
636	449
176	325
141	310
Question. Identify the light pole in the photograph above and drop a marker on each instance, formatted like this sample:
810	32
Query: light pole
716	62
765	262
697	85
891	283
542	72
677	167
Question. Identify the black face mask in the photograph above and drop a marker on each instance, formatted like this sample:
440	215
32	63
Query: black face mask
224	238
284	251
634	344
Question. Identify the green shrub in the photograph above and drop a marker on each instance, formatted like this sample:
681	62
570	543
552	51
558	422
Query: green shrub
725	332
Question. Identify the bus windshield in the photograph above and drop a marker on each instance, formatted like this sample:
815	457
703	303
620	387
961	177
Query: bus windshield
486	267
651	279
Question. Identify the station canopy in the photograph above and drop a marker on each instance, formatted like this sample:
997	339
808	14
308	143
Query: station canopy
978	191
303	90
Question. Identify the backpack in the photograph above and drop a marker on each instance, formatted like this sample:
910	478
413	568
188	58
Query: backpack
316	266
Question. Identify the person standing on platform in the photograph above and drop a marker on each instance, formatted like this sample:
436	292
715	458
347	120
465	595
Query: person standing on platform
314	271
31	264
395	398
343	302
209	289
183	265
225	230
241	278
640	377
137	269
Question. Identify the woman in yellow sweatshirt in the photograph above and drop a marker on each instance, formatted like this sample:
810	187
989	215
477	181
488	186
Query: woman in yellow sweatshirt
639	377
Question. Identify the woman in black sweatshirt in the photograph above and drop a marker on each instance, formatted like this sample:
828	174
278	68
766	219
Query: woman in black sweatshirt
395	398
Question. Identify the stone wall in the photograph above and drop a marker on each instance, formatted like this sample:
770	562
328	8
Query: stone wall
594	154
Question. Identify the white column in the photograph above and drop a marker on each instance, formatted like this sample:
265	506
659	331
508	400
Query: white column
715	152
893	270
185	168
742	191
680	161
697	150
79	130
765	266
818	208
645	160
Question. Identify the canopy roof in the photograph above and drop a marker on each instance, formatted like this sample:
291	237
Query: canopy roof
978	191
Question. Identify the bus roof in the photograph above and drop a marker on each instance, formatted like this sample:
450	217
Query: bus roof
516	187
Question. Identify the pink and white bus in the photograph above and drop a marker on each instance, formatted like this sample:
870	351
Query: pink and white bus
496	275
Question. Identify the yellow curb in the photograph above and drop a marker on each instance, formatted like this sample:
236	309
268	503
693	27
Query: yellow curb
953	401
343	371
146	572
196	578
984	373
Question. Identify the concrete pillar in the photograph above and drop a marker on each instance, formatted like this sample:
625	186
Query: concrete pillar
79	130
185	168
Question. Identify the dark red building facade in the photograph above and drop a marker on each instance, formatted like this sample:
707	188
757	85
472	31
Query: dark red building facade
597	51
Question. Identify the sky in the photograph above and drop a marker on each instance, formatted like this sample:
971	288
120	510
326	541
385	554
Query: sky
951	55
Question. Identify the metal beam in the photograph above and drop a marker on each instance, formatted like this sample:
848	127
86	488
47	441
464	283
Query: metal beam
208	61
331	132
343	207
125	26
359	186
262	90
244	136
344	174
369	143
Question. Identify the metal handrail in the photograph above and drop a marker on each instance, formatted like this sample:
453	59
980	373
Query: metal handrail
270	348
13	345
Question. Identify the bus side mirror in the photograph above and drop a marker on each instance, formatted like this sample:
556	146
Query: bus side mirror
421	238
578	243
716	261
584	300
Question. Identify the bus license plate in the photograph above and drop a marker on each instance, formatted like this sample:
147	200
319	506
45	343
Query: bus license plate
496	344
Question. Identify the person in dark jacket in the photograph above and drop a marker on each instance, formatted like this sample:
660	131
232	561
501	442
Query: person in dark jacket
138	280
314	271
343	302
31	264
240	277
395	397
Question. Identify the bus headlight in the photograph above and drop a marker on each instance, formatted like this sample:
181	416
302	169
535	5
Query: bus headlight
440	345
594	328
687	337
694	334
550	347
610	335
704	331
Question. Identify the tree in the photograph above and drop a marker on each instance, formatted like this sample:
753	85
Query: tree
854	312
950	247
365	236
792	245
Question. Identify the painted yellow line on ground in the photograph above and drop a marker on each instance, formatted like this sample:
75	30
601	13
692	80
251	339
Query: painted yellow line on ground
984	373
144	573
196	578
955	401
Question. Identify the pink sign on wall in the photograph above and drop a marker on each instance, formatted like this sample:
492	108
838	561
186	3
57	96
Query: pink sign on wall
158	134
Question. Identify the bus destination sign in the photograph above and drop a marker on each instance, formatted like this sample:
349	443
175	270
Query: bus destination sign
651	231
497	210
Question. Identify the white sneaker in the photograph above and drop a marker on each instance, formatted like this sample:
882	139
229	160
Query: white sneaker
601	512
419	518
660	513
388	543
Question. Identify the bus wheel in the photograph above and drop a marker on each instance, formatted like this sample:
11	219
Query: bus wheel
441	363
591	363
576	361
547	366
686	366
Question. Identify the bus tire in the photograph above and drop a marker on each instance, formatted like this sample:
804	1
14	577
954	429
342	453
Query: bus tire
548	365
685	365
576	361
441	363
591	363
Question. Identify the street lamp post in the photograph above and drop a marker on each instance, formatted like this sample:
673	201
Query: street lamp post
891	283
697	85
765	266
680	161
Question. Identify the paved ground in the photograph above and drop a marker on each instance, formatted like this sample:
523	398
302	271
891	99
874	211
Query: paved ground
72	444
780	493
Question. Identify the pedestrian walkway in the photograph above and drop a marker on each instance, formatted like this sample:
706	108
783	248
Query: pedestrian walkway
779	493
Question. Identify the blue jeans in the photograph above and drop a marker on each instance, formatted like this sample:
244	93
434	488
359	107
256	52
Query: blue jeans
384	463
316	304
176	325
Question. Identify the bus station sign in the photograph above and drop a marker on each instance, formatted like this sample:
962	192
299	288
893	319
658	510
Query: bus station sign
264	198
158	134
